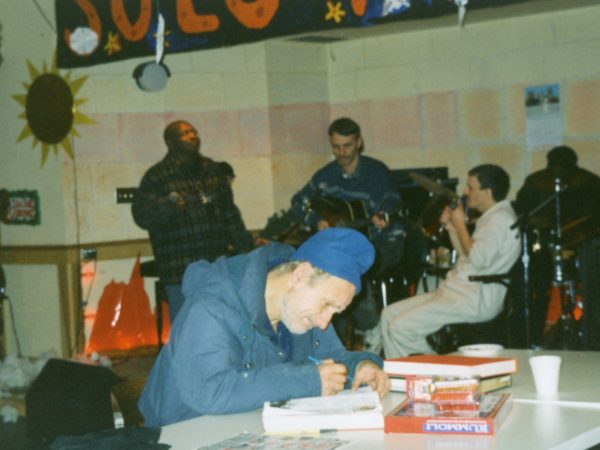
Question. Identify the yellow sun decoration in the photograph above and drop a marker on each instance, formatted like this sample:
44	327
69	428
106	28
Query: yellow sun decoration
51	109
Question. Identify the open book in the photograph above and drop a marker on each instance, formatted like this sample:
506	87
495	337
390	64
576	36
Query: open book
348	410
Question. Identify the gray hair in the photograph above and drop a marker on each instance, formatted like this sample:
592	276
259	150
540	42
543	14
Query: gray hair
316	275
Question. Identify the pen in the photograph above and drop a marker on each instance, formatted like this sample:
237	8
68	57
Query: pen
318	362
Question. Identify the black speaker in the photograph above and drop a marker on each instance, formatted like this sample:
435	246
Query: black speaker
69	398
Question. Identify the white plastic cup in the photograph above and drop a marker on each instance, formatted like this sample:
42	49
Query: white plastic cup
546	371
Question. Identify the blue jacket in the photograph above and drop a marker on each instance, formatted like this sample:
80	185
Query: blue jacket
220	358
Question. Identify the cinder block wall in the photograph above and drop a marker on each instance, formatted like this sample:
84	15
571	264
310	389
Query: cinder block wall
455	97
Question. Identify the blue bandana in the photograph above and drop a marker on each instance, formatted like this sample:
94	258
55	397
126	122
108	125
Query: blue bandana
342	252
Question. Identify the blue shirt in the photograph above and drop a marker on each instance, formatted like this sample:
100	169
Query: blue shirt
371	184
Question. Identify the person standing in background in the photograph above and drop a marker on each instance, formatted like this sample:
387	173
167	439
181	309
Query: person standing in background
186	204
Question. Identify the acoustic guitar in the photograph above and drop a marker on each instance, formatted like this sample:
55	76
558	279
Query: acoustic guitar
342	213
280	226
348	213
283	225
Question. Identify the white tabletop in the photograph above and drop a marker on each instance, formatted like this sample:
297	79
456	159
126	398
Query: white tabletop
569	421
579	377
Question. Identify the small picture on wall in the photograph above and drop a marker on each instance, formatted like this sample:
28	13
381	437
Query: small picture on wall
544	127
19	207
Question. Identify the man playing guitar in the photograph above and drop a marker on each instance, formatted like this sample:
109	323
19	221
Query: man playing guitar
361	183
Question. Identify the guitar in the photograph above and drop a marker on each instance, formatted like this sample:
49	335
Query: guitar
283	225
346	213
280	226
342	213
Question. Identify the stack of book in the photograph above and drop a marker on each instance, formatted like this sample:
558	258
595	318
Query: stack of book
449	394
494	373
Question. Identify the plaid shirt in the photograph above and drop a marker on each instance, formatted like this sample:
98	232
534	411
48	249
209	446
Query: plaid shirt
204	229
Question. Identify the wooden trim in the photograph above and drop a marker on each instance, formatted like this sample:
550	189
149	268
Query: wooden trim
69	254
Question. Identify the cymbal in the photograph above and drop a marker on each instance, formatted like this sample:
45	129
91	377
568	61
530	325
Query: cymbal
434	187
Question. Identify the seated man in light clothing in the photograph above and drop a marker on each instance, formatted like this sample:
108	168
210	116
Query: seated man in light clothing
492	249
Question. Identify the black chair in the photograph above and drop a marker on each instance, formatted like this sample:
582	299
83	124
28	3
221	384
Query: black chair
496	331
402	280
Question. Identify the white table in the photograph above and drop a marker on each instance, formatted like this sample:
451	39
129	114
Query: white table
571	421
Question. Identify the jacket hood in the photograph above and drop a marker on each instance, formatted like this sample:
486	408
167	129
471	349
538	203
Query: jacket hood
245	277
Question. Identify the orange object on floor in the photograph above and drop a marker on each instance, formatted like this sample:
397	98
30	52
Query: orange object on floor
124	319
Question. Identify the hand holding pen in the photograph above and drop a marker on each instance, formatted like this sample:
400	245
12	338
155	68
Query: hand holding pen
333	375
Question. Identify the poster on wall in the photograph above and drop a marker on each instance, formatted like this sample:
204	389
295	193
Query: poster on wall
544	126
19	207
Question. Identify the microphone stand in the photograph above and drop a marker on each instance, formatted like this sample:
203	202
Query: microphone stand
522	223
568	332
524	235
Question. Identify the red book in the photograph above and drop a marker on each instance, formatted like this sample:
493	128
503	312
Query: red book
493	409
454	365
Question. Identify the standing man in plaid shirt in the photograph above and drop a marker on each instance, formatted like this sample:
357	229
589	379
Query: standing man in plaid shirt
186	204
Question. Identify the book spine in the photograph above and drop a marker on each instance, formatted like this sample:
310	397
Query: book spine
495	383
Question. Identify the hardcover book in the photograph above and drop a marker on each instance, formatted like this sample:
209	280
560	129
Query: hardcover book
425	418
455	365
348	410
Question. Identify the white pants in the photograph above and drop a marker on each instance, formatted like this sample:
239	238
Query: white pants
406	323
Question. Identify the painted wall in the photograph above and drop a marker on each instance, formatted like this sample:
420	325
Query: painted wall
455	97
442	96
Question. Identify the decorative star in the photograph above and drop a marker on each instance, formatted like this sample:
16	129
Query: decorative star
335	12
113	43
166	33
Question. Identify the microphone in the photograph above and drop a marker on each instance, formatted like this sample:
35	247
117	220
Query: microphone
457	201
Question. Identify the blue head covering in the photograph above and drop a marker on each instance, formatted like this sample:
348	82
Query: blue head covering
342	252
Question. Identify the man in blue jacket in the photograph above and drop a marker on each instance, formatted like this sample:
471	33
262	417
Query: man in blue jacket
252	324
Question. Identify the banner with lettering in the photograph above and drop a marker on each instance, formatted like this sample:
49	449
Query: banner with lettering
101	31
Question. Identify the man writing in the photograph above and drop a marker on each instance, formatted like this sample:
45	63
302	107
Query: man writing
358	178
186	204
491	250
251	325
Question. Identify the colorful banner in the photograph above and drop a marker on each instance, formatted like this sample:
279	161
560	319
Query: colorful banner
100	31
